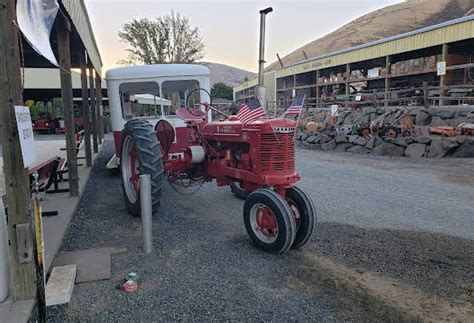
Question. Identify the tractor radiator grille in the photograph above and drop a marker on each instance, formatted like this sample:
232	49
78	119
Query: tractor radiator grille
277	152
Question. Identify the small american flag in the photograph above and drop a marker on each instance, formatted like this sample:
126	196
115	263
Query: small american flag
251	111
296	106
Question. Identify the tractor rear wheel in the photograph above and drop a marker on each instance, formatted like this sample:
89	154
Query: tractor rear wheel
238	191
140	155
269	221
304	212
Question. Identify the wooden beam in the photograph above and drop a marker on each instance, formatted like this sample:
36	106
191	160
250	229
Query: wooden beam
85	109
388	71
64	53
16	176
317	88
98	107
442	78
93	108
280	61
348	76
304	54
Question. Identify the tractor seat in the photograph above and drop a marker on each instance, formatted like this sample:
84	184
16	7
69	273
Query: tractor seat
190	114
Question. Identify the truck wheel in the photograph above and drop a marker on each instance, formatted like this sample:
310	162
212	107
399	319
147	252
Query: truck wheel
238	191
269	221
304	213
140	154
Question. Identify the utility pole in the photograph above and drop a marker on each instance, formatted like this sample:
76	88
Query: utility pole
85	109
16	176
64	53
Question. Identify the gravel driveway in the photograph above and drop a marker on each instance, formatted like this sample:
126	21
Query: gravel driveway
408	222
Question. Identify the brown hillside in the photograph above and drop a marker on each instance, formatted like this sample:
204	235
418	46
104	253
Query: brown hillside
386	22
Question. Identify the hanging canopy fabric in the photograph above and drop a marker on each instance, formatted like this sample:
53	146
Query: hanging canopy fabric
35	20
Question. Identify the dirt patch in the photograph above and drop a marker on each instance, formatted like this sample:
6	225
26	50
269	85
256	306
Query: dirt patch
383	295
456	179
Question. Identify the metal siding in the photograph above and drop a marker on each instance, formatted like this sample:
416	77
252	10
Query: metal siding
246	85
448	33
269	81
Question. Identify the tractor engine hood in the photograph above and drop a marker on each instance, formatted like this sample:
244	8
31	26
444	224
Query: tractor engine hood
262	125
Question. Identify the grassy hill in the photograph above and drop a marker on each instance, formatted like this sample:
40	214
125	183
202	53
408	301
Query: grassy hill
386	22
229	75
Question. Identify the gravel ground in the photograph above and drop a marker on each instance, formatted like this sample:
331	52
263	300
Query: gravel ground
405	220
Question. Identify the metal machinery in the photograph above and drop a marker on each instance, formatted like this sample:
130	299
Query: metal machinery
184	147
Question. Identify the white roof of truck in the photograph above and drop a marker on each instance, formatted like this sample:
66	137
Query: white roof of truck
153	71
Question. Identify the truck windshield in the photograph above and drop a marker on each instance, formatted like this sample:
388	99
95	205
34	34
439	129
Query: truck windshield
141	99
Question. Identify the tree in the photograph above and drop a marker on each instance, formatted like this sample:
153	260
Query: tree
222	91
166	39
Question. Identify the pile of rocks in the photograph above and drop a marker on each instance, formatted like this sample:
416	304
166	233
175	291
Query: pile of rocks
431	147
422	145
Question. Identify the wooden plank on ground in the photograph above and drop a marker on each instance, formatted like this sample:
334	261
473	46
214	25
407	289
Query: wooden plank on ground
60	285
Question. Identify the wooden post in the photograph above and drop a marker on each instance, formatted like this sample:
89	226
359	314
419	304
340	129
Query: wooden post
16	176
442	78
85	109
64	27
98	108
348	92
305	55
280	61
317	88
93	114
426	101
388	68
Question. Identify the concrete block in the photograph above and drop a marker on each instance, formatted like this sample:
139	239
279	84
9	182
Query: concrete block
60	285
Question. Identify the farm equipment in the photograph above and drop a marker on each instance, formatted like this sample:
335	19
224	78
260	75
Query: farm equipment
256	159
44	123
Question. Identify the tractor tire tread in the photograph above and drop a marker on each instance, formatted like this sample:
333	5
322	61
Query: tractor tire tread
150	160
305	233
286	217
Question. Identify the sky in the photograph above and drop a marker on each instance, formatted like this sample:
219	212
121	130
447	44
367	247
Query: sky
230	29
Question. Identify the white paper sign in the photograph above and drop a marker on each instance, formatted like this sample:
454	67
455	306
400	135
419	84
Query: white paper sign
334	110
358	98
441	68
375	72
25	133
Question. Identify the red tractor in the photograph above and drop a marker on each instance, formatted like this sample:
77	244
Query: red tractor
257	159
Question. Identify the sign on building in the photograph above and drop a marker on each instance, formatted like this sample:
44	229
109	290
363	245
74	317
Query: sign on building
441	68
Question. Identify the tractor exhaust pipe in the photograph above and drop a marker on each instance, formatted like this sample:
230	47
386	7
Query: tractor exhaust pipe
260	89
261	56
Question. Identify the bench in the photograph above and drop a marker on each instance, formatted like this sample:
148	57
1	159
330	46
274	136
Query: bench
62	167
47	176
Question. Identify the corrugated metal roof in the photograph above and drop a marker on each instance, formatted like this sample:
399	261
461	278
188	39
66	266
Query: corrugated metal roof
78	12
457	29
389	39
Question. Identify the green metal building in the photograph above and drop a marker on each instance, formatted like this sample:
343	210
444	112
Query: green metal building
439	55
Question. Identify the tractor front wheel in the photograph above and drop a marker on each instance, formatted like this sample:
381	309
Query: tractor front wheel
140	155
269	221
304	212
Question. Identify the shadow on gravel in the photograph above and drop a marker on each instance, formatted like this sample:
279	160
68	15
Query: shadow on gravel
204	267
438	264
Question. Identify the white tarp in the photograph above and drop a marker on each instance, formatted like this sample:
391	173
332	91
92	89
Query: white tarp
35	19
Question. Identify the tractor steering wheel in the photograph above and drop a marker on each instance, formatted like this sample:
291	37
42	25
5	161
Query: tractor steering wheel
189	95
207	105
